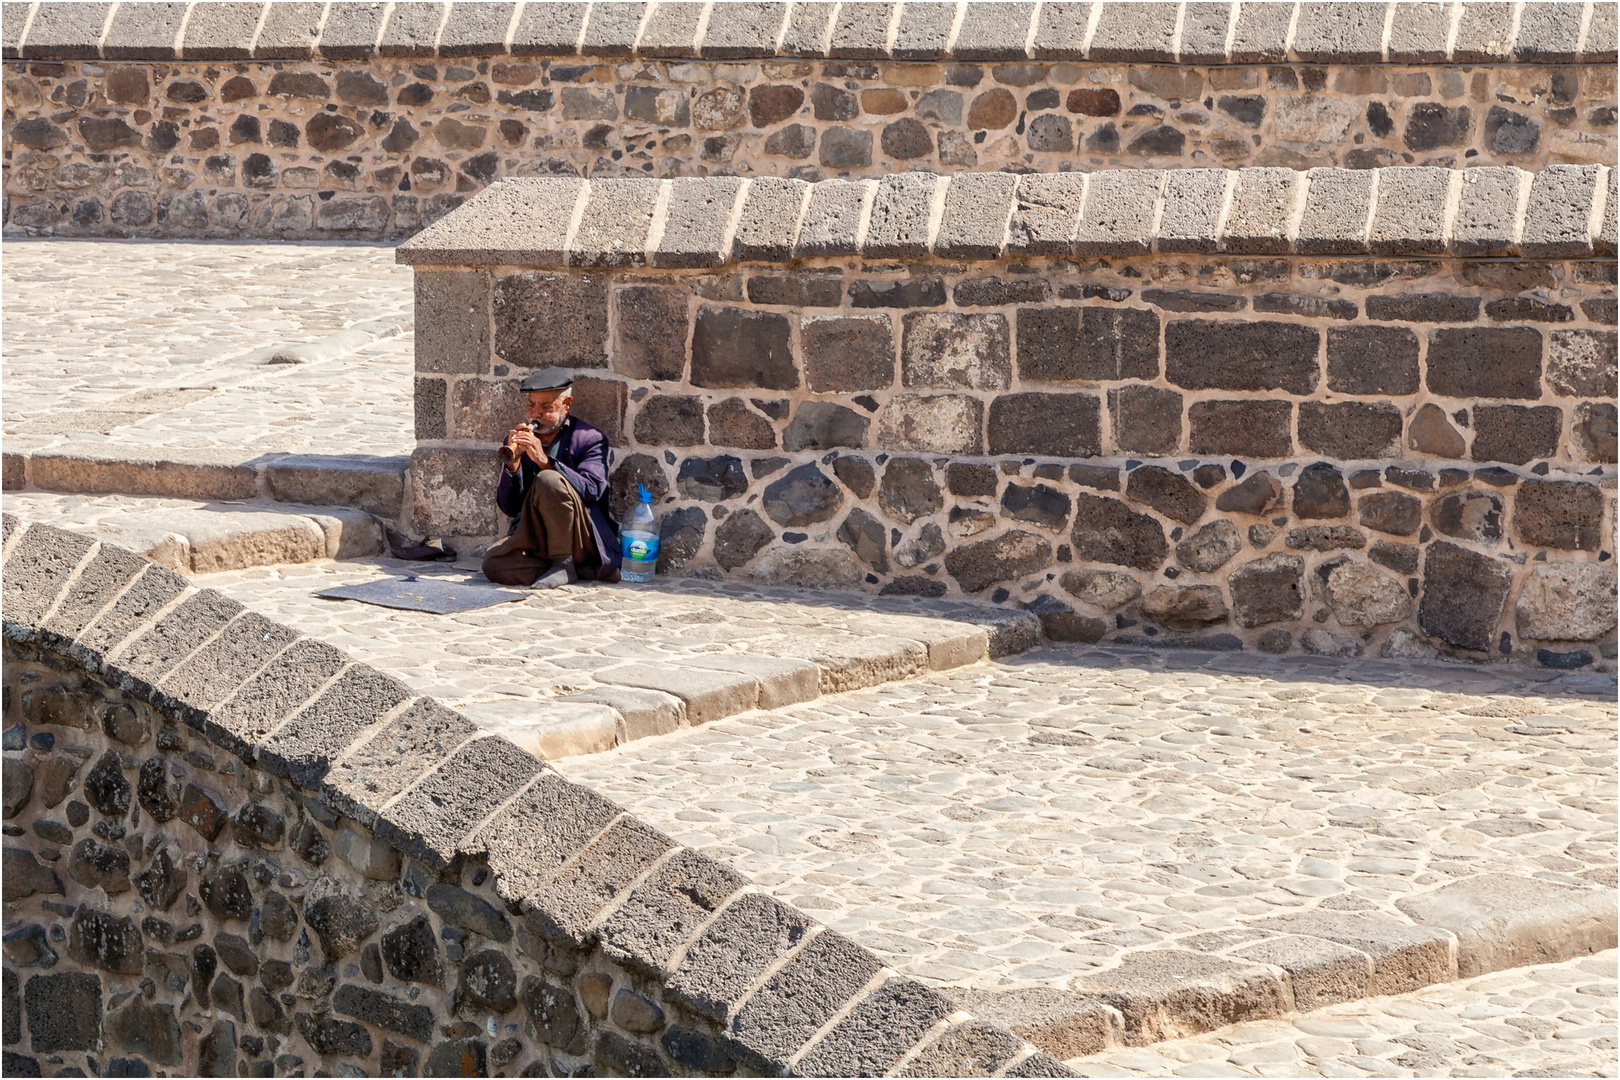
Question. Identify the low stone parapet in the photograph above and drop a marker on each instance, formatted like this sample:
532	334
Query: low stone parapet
1330	410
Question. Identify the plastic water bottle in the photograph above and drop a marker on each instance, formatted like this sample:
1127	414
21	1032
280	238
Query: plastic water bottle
640	541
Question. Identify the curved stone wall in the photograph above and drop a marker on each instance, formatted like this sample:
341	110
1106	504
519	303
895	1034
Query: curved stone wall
229	851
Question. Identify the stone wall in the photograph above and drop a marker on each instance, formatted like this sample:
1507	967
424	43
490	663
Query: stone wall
289	127
231	852
1339	454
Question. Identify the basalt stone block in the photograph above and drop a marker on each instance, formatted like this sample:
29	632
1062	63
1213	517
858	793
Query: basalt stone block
1268	590
1320	492
273	695
1120	209
148	1029
670	420
977	208
443	808
860	32
823	425
549	30
351	32
792	1004
1193	199
733	347
1171	494
1053	425
909	490
877	1032
64	1012
107	789
901	214
1430	432
697	218
832	220
1106	530
330	1037
1372	359
845	353
66	32
1391	512
144	32
226	894
107	941
916	292
1463	595
452	321
545	320
1256	428
1557	216
711	479
1516	434
650	334
769	220
1562	514
36	570
1487	210
795	291
733	423
564	909
289	32
175	637
1595	431
1350	430
1146	420
1210	548
665	912
1013	555
1202	355
1039	504
411	744
1046	214
803	496
1073	343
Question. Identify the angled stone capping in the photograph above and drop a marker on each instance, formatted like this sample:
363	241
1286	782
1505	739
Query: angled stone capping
1560	212
1543	32
786	994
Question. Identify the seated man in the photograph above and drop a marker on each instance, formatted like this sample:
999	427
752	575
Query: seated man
554	487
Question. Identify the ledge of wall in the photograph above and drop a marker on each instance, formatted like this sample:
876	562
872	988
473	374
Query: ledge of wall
417	786
1561	211
1202	33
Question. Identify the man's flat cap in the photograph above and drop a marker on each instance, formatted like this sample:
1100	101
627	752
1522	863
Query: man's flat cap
551	378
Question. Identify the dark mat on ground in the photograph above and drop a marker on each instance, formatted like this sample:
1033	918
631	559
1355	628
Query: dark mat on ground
412	593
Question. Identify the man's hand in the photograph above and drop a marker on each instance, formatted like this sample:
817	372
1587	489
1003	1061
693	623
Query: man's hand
525	444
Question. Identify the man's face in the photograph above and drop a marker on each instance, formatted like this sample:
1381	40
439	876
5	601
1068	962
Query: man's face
550	409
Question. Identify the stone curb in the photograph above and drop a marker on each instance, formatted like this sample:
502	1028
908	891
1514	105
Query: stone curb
373	484
574	866
581	872
1560	212
1321	33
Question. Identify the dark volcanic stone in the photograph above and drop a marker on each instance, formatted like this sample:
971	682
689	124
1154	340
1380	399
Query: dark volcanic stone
1468	515
267	1013
857	474
543	319
1372	360
203	810
64	1011
256	825
680	536
1562	514
375	1007
235	953
555	1014
1320	492
1463	595
277	917
804	496
1268	590
908	490
148	1029
106	941
411	951
1516	434
866	537
152	790
1255	495
711	479
848	353
96	865
1431	125
695	1050
1147	420
226	893
1203	355
1106	530
1391	512
1324	538
670	420
1039	504
1061	344
341	922
651	333
331	1037
733	347
733	423
1171	494
1485	362
1401	558
739	538
310	844
1055	425
1210	548
469	911
216	1051
823	425
1251	429
970	480
1350	430
1013	555
106	788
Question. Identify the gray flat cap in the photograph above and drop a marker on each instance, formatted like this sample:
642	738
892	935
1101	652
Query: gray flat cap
551	378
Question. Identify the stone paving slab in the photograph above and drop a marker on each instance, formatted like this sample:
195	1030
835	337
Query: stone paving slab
1067	818
1550	1020
194	536
588	667
172	363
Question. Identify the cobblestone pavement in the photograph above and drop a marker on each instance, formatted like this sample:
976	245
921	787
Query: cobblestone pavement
173	351
1555	1020
1020	823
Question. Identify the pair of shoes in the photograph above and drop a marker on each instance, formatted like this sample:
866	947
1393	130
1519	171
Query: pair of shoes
427	551
561	573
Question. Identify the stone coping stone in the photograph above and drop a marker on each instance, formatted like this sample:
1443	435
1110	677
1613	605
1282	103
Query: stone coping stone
1405	210
1116	31
579	871
429	784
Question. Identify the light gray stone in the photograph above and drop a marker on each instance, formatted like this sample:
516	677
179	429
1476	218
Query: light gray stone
1418	33
1340	33
618	215
1572	602
1557	218
709	694
1193	200
1203	33
1505	921
517	222
695	226
1261	213
1404	957
1261	33
1119	212
832	221
977	207
1487	212
1362	596
1410	217
993	32
1135	32
611	29
743	29
1060	31
1320	972
1484	33
1047	213
902	211
769	221
1337	204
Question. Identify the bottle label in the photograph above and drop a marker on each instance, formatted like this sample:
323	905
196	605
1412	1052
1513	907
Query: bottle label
638	550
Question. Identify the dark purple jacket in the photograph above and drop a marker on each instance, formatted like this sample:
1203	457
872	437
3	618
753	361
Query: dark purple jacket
581	456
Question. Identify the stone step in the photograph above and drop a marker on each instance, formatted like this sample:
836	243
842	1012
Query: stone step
197	537
375	485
